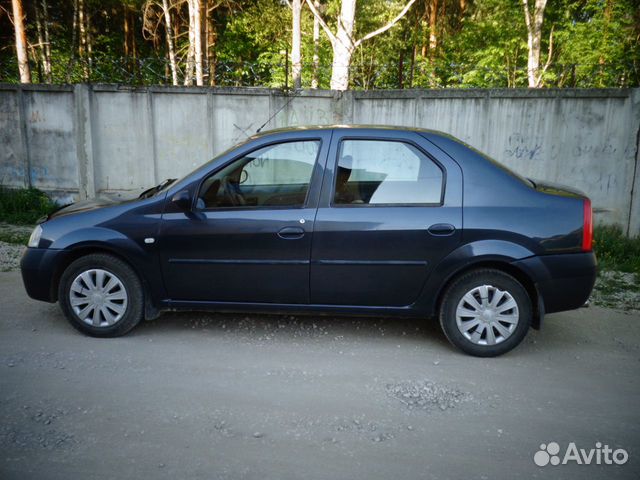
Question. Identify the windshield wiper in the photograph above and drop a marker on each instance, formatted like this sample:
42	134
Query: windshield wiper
153	190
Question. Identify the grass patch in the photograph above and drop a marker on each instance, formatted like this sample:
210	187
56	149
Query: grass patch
618	282
615	251
24	206
16	238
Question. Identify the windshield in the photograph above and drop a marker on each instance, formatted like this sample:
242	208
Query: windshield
205	165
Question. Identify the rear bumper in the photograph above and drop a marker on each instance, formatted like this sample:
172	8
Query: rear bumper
564	282
39	267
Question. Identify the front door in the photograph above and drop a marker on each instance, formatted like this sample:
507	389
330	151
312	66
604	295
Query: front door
248	238
388	213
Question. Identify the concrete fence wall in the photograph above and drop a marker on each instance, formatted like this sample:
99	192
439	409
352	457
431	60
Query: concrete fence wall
77	141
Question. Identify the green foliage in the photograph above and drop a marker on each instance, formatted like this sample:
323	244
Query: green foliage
24	206
482	43
615	251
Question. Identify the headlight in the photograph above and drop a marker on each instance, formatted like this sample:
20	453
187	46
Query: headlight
34	239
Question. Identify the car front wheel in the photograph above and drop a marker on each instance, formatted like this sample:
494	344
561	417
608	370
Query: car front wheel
101	295
485	312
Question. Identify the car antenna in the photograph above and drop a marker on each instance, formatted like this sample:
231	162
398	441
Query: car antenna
295	93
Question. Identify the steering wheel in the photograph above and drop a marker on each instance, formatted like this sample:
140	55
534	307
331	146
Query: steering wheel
232	193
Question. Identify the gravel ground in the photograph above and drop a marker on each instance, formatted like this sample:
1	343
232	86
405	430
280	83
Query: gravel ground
215	396
617	290
10	256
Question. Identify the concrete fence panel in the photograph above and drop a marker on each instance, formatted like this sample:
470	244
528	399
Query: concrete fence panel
82	140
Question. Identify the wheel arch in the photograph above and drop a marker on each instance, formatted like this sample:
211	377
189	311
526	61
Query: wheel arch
83	250
507	267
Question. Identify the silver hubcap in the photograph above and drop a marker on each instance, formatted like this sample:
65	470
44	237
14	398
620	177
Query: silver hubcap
487	315
98	298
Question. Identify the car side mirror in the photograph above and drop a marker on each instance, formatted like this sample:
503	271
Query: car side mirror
182	199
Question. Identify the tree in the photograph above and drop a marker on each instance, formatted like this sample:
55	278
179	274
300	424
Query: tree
194	52
21	42
171	52
316	47
437	43
296	59
42	29
343	42
533	21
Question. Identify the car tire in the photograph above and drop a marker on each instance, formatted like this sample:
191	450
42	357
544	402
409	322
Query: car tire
485	312
101	295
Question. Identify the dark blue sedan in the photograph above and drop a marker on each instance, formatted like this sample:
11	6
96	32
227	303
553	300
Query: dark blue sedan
359	220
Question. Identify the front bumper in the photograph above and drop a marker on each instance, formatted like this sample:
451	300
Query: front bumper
40	271
564	281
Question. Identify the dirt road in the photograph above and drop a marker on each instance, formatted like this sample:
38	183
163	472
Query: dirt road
215	396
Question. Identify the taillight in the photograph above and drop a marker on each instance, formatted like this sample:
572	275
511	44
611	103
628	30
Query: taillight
587	227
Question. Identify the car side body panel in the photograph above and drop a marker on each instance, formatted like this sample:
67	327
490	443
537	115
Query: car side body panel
497	218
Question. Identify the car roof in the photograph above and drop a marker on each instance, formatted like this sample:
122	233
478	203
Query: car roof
347	127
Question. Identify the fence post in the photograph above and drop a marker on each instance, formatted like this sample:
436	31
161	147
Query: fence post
152	133
84	142
633	227
24	141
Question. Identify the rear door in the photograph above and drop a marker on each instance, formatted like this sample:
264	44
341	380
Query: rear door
389	211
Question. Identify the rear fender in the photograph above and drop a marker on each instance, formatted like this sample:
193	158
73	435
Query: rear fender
464	258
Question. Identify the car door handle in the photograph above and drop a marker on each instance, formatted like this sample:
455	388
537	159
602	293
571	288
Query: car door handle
441	229
291	233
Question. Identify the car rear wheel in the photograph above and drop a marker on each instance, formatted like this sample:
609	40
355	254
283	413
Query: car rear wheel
485	312
101	295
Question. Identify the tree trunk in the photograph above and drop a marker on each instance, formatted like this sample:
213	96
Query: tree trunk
316	48
126	28
212	59
82	46
188	75
424	49
412	65
342	41
401	70
463	8
47	44
204	38
74	30
40	35
296	60
168	32
74	41
89	37
343	46
42	29
534	34
21	42
433	33
197	37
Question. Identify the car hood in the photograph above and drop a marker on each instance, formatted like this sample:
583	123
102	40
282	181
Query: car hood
91	204
557	189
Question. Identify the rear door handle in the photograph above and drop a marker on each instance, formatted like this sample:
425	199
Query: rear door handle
291	233
441	229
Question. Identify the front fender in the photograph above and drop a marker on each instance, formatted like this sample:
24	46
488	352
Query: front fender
144	260
98	236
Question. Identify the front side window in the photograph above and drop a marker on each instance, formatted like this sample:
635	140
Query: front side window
277	175
382	172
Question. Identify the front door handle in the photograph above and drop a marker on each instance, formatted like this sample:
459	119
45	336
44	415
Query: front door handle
441	229
291	233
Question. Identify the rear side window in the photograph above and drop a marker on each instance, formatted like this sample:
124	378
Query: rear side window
379	172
